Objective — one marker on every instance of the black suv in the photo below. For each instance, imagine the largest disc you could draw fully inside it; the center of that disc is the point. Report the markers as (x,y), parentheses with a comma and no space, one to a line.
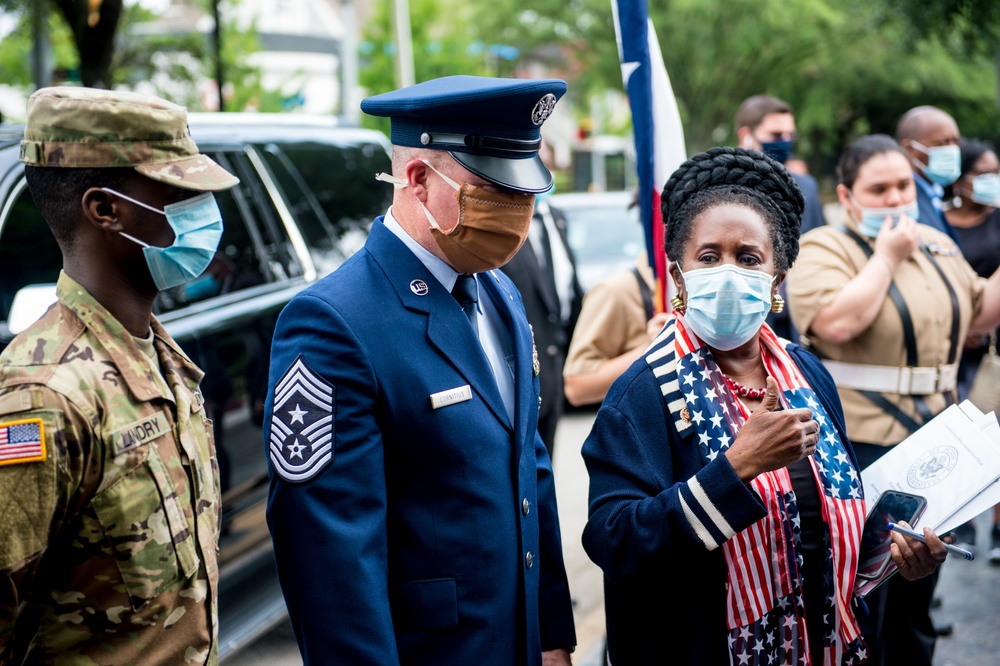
(306,198)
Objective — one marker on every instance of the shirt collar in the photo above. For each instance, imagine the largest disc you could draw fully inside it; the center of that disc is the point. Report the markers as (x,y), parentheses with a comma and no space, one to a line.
(133,365)
(933,190)
(444,273)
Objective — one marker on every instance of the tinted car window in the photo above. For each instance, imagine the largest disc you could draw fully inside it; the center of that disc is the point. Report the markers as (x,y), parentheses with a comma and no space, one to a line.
(254,249)
(335,194)
(28,251)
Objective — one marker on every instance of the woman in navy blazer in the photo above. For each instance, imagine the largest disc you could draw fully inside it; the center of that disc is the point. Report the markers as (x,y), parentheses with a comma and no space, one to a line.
(725,499)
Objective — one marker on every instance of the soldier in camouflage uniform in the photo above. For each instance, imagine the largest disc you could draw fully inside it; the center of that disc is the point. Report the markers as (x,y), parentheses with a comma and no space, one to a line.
(109,497)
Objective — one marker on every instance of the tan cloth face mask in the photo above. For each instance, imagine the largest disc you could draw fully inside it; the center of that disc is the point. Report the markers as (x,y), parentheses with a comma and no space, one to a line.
(492,226)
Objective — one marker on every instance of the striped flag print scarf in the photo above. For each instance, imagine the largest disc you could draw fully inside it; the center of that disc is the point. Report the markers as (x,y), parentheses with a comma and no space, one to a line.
(764,606)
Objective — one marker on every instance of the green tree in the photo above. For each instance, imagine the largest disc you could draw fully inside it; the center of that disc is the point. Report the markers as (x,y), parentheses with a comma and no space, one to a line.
(443,45)
(92,25)
(173,64)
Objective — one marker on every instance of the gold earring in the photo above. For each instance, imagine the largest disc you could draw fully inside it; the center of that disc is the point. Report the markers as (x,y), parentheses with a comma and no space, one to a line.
(777,303)
(677,303)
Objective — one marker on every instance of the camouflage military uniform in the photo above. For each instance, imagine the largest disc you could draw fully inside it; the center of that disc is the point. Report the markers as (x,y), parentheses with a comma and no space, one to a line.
(108,547)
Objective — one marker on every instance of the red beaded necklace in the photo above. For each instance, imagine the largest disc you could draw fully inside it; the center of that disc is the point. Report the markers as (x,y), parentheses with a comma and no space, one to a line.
(743,391)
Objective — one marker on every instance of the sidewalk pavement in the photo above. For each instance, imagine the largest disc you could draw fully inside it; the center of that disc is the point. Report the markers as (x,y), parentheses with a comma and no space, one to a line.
(969,591)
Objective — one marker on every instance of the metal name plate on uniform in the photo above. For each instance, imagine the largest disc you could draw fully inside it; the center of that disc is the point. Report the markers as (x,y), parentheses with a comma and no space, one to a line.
(451,396)
(302,423)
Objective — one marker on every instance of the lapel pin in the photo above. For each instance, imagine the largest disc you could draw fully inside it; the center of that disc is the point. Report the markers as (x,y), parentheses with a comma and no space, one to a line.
(686,415)
(419,287)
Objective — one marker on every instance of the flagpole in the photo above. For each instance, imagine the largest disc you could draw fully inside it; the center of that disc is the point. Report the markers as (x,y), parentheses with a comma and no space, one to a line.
(656,125)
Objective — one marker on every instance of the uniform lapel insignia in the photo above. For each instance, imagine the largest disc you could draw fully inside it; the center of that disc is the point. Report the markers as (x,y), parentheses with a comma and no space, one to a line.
(536,367)
(302,425)
(419,287)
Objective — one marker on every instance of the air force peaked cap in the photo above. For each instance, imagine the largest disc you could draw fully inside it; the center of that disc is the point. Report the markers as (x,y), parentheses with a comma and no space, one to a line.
(491,126)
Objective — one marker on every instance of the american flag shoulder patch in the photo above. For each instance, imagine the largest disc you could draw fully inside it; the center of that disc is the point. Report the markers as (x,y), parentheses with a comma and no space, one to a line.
(22,441)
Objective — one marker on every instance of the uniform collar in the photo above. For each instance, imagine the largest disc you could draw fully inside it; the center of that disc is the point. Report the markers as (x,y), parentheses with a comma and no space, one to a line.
(133,366)
(444,273)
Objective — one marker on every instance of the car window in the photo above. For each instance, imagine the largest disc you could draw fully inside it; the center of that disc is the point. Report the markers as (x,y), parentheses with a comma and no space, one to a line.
(603,232)
(28,250)
(332,191)
(254,249)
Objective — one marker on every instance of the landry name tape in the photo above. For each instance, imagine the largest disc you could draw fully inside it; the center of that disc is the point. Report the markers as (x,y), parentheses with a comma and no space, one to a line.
(451,396)
(22,441)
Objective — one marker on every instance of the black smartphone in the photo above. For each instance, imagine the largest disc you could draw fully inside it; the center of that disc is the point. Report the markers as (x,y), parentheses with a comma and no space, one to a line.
(892,507)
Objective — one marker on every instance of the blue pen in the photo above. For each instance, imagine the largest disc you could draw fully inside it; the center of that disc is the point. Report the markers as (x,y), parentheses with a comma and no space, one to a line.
(920,537)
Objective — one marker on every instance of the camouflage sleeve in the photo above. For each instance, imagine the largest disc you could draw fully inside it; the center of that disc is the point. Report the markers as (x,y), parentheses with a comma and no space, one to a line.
(46,459)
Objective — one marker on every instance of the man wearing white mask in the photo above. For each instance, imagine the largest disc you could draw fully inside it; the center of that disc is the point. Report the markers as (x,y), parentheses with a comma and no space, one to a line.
(930,138)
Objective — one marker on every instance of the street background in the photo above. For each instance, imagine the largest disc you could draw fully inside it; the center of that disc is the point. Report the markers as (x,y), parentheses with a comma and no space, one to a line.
(969,591)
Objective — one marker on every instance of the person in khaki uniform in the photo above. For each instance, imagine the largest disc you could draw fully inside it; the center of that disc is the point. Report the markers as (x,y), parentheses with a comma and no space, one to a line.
(616,325)
(886,302)
(109,496)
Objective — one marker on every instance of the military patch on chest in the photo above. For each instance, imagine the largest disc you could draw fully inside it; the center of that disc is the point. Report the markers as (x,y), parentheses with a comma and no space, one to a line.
(140,432)
(943,249)
(22,441)
(302,423)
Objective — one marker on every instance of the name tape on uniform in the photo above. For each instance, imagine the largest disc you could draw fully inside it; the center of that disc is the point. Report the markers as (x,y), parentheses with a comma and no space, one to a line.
(451,396)
(140,432)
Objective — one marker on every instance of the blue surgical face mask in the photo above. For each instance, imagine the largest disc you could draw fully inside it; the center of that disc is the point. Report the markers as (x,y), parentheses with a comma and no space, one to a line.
(197,225)
(873,218)
(726,305)
(944,163)
(778,151)
(986,189)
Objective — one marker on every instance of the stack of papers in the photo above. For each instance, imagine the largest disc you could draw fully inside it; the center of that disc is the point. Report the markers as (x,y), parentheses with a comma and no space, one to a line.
(953,461)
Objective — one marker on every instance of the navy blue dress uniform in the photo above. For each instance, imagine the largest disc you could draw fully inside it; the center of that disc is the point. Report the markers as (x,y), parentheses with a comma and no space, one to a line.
(412,510)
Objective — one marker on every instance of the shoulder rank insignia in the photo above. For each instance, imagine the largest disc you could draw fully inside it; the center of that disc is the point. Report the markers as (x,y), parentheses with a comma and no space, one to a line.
(22,441)
(302,424)
(536,367)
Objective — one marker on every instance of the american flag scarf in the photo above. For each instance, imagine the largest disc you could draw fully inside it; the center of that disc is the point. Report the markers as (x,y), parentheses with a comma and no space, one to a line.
(765,614)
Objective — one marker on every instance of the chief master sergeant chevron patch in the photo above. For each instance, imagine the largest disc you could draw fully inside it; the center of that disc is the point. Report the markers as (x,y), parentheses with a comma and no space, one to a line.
(301,439)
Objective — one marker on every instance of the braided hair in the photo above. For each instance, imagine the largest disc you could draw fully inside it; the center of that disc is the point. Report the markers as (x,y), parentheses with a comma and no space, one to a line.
(738,176)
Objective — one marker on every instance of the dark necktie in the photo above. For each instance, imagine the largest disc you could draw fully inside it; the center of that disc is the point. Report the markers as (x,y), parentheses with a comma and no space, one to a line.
(466,292)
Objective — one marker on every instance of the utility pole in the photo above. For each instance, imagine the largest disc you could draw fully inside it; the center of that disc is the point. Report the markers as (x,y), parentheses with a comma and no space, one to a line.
(349,109)
(404,44)
(217,45)
(41,65)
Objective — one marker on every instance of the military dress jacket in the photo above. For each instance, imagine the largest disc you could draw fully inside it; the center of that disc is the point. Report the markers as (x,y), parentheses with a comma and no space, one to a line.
(109,497)
(412,521)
